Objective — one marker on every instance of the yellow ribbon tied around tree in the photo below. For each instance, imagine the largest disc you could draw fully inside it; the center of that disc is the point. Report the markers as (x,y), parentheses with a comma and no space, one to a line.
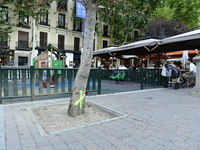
(80,101)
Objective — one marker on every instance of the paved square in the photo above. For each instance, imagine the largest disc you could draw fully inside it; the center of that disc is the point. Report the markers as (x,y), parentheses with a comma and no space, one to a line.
(157,119)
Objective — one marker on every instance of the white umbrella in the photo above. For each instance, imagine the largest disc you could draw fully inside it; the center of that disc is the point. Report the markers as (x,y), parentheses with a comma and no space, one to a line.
(184,58)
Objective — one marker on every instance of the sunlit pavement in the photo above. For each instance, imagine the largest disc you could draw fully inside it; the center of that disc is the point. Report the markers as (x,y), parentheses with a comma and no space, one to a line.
(156,119)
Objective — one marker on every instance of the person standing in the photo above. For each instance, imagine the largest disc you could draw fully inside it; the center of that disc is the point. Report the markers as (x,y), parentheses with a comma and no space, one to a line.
(102,66)
(133,66)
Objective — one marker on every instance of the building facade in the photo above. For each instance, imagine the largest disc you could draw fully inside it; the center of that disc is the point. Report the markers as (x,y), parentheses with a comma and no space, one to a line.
(30,39)
(55,27)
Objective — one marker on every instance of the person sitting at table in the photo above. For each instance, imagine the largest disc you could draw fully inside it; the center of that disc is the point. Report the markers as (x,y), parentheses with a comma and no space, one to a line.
(178,65)
(191,73)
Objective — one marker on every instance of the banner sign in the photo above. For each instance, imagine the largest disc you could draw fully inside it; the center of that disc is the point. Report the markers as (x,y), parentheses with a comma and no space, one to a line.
(80,10)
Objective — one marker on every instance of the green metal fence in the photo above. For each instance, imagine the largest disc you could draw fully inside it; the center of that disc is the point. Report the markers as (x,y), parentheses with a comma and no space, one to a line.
(30,83)
(143,76)
(18,74)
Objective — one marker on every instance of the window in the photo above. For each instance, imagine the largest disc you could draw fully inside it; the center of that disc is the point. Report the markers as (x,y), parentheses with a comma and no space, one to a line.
(44,17)
(76,44)
(62,5)
(3,39)
(61,41)
(105,30)
(22,61)
(61,21)
(77,24)
(23,20)
(105,43)
(4,14)
(43,39)
(136,33)
(3,43)
(23,39)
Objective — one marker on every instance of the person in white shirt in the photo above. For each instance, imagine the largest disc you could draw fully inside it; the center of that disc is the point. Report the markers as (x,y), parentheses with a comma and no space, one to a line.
(122,67)
(192,71)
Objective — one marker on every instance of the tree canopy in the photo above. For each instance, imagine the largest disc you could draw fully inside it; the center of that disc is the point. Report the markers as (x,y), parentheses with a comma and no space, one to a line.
(5,26)
(161,28)
(125,15)
(173,17)
(122,16)
(186,11)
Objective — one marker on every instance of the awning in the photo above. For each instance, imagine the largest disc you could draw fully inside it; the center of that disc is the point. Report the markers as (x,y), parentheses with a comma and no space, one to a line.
(136,48)
(174,59)
(185,41)
(195,52)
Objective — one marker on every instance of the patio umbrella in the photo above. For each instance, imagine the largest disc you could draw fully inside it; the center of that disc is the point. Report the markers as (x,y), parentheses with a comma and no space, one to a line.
(142,47)
(185,41)
(184,58)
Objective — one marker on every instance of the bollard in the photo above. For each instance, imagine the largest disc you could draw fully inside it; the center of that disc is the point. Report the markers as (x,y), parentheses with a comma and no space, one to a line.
(32,88)
(141,78)
(0,85)
(99,81)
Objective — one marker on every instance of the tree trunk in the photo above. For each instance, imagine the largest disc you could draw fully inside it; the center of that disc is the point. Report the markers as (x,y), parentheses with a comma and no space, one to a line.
(77,101)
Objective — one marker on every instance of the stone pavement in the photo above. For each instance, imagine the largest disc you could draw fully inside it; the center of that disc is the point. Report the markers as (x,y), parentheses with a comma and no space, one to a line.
(156,119)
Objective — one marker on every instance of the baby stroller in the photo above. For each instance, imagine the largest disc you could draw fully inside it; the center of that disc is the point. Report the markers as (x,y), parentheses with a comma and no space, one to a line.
(175,78)
(118,76)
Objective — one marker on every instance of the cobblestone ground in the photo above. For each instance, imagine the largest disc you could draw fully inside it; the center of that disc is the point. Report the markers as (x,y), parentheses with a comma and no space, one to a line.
(159,119)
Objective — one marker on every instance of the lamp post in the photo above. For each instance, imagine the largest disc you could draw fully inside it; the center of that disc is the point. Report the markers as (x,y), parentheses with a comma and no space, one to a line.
(196,90)
(10,62)
(33,41)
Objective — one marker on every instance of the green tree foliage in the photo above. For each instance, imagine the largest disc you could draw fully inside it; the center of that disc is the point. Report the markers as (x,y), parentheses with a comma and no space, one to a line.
(124,15)
(186,11)
(161,28)
(163,12)
(173,17)
(5,26)
(33,8)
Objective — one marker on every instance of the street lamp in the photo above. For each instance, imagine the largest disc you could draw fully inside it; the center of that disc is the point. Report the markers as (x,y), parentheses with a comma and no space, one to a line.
(10,58)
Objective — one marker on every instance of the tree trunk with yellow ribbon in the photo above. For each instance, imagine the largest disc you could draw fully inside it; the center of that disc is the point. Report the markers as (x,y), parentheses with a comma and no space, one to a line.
(77,101)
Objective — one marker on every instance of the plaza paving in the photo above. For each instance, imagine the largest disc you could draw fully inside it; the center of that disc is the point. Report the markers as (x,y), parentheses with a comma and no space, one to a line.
(154,119)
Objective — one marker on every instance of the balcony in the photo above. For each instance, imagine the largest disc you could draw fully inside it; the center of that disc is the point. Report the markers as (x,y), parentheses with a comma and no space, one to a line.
(78,29)
(23,45)
(63,48)
(44,23)
(63,26)
(4,44)
(106,34)
(24,25)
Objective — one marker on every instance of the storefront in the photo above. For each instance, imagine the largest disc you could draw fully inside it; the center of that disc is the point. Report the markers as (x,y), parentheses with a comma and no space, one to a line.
(6,57)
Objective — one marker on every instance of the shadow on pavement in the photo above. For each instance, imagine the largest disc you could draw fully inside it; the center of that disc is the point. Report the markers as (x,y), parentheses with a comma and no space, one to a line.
(107,87)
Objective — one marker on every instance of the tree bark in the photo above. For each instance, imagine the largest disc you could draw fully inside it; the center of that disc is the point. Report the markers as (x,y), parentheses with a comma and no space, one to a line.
(85,65)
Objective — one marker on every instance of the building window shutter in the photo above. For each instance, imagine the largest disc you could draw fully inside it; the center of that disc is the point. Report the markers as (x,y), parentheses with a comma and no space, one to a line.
(76,44)
(43,39)
(23,39)
(61,39)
